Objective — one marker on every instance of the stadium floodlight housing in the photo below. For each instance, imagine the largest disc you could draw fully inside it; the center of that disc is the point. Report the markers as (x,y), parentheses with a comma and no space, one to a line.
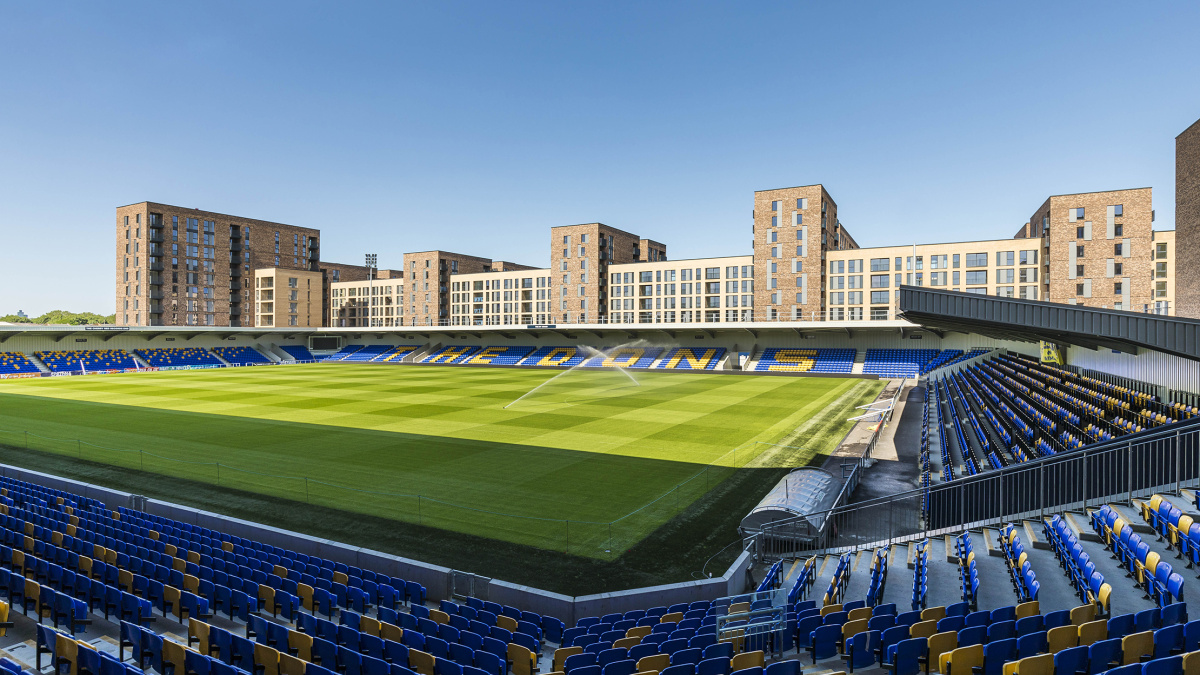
(371,260)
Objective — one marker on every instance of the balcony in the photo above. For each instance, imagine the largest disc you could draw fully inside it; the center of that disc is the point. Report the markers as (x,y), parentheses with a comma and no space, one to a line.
(235,247)
(235,310)
(155,236)
(156,295)
(235,269)
(156,309)
(155,266)
(235,285)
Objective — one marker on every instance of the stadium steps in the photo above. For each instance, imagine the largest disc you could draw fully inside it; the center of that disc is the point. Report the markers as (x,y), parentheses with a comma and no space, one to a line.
(1035,535)
(220,358)
(860,356)
(33,358)
(269,353)
(137,358)
(1132,514)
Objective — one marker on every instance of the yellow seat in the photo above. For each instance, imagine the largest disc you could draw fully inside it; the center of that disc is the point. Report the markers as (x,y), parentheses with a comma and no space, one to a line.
(505,622)
(66,651)
(290,665)
(191,584)
(341,578)
(194,557)
(961,660)
(1093,632)
(370,626)
(1135,646)
(626,642)
(850,629)
(267,658)
(4,611)
(1062,637)
(390,631)
(561,654)
(933,613)
(171,596)
(754,659)
(674,617)
(739,608)
(941,643)
(655,662)
(830,609)
(639,631)
(859,613)
(524,661)
(923,629)
(1083,614)
(198,633)
(300,644)
(422,662)
(173,654)
(1042,664)
(1151,506)
(1028,609)
(1191,663)
(305,592)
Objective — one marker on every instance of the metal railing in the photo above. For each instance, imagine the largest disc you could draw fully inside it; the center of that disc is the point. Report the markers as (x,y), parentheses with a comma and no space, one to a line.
(1161,460)
(790,535)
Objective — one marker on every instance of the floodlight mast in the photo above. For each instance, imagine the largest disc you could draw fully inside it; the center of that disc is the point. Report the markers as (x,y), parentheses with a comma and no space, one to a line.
(371,260)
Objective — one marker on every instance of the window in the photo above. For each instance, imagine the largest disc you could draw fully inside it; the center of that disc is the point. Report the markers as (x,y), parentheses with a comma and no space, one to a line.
(837,266)
(955,258)
(1005,258)
(937,278)
(1078,212)
(854,297)
(938,262)
(802,203)
(1160,250)
(977,291)
(712,273)
(1117,288)
(1079,233)
(977,260)
(1004,291)
(1118,268)
(854,281)
(1118,230)
(879,297)
(1079,250)
(1160,270)
(774,222)
(1029,257)
(1118,210)
(1028,275)
(879,265)
(775,205)
(798,220)
(1078,289)
(836,298)
(1079,270)
(879,281)
(1029,292)
(955,274)
(837,282)
(977,277)
(1118,249)
(1160,289)
(879,313)
(1004,276)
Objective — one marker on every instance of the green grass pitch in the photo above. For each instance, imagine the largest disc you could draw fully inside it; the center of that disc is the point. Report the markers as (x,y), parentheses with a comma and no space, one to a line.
(590,463)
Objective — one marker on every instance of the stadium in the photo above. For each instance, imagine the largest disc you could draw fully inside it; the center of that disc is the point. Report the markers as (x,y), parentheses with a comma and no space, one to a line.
(607,500)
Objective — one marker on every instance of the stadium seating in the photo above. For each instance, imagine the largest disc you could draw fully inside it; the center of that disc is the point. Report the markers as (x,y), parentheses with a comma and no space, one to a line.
(240,355)
(368,353)
(298,352)
(16,362)
(692,358)
(450,354)
(342,353)
(395,354)
(776,359)
(625,357)
(563,357)
(175,356)
(87,360)
(498,356)
(897,362)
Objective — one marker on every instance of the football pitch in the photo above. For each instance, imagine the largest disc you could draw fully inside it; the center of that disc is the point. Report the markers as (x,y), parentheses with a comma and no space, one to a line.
(587,462)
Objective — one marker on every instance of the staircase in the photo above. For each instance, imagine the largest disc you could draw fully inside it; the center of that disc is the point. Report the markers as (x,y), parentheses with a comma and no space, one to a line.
(220,358)
(860,356)
(37,362)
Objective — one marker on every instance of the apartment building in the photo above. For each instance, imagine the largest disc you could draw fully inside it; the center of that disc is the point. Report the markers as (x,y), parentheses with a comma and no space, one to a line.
(428,280)
(709,290)
(579,260)
(861,284)
(503,297)
(1187,219)
(177,266)
(1099,248)
(793,229)
(1166,278)
(377,300)
(287,297)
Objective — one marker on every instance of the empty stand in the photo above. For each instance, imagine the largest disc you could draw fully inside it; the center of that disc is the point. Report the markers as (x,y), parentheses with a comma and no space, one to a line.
(563,357)
(776,359)
(175,356)
(368,353)
(341,354)
(298,352)
(241,355)
(87,360)
(451,354)
(498,356)
(16,362)
(692,358)
(898,362)
(625,357)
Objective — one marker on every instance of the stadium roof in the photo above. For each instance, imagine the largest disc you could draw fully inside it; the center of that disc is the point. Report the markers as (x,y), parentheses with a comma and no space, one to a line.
(1032,320)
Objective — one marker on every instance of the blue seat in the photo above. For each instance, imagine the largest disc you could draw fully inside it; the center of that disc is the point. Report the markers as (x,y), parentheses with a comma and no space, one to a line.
(1071,661)
(1168,641)
(715,666)
(1032,644)
(680,669)
(1103,655)
(825,642)
(626,667)
(997,653)
(904,657)
(691,656)
(860,649)
(1171,665)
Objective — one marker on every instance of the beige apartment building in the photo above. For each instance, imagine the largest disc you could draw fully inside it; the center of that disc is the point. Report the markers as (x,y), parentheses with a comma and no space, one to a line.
(793,229)
(501,298)
(363,303)
(709,290)
(287,297)
(861,284)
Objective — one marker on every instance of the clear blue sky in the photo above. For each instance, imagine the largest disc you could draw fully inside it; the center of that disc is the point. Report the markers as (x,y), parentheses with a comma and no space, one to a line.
(474,127)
